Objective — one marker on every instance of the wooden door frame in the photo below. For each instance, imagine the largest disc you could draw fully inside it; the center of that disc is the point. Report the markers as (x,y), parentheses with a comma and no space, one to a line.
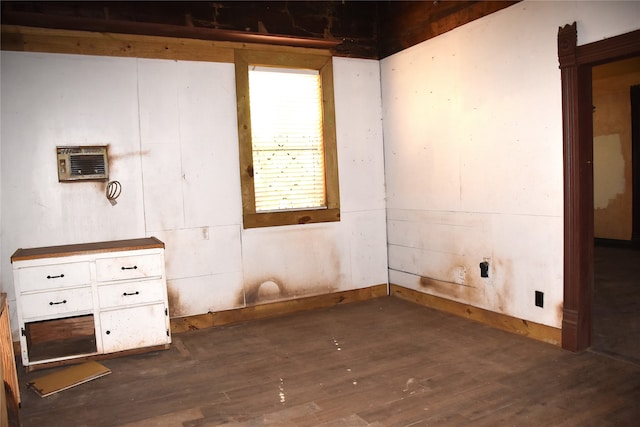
(576,63)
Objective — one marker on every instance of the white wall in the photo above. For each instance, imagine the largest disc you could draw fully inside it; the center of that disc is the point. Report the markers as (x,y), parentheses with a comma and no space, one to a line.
(172,135)
(473,156)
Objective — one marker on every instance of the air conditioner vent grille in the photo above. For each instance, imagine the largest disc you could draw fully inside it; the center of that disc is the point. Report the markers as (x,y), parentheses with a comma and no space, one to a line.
(88,164)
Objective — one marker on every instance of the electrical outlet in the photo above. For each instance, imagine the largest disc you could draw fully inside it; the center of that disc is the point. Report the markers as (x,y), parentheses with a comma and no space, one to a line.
(539,299)
(484,269)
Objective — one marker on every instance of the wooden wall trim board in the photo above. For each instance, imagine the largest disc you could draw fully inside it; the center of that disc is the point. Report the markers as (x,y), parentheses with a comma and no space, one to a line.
(578,205)
(507,323)
(219,318)
(45,40)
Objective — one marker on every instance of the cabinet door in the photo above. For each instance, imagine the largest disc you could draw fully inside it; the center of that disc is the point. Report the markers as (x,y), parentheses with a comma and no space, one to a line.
(134,327)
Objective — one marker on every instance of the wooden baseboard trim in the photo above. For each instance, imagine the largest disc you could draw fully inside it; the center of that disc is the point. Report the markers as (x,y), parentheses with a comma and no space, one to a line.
(507,323)
(219,318)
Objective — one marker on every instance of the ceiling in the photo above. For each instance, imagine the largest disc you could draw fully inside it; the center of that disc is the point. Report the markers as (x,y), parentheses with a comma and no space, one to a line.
(365,29)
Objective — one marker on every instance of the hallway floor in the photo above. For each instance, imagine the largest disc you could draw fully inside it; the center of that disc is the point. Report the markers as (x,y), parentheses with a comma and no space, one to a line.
(616,303)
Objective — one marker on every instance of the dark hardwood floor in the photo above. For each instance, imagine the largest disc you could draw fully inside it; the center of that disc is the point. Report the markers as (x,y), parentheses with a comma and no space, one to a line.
(616,303)
(383,362)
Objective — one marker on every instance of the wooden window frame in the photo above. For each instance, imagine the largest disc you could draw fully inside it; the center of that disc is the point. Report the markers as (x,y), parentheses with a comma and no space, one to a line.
(324,65)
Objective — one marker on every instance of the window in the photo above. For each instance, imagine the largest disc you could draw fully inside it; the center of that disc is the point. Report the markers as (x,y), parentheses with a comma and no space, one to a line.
(286,134)
(286,129)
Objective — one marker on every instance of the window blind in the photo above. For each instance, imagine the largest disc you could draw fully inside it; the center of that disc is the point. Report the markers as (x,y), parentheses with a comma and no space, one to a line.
(287,139)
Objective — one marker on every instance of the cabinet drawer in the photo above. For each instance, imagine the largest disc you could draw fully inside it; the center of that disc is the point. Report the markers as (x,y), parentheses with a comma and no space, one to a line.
(129,267)
(64,301)
(54,276)
(130,293)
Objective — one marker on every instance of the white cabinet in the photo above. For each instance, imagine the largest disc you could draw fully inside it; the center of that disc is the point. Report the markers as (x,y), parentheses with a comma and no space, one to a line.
(80,301)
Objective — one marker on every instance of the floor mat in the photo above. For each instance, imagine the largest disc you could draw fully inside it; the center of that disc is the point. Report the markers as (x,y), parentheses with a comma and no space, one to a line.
(67,378)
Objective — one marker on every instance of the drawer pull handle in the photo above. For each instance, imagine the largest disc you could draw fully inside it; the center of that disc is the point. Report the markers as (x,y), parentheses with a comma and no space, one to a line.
(131,293)
(59,302)
(107,332)
(135,267)
(55,277)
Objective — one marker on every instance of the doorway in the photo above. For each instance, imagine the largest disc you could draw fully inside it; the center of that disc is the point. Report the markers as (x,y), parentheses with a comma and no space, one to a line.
(616,291)
(576,64)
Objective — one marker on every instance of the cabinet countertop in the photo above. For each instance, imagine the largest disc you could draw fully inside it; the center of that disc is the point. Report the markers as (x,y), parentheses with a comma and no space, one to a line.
(86,248)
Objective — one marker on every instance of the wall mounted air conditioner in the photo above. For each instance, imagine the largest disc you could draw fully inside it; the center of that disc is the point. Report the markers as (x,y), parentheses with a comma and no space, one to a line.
(82,163)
